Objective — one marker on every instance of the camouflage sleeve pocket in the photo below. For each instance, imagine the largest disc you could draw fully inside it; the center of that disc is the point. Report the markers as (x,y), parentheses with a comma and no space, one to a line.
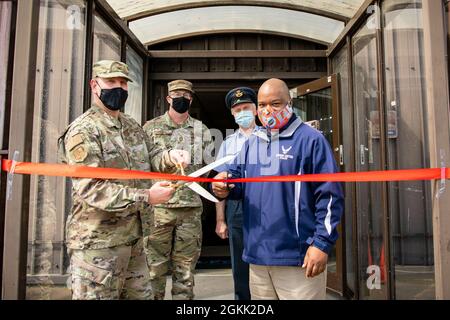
(90,272)
(147,219)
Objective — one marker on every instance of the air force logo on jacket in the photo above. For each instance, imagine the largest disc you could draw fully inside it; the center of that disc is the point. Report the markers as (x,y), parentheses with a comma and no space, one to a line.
(285,155)
(282,219)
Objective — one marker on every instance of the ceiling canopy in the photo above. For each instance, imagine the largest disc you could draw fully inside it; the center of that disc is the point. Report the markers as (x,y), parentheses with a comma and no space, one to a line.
(136,9)
(155,21)
(190,22)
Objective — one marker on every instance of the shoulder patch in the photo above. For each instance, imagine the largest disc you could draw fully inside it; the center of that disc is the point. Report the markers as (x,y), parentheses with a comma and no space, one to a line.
(74,141)
(79,153)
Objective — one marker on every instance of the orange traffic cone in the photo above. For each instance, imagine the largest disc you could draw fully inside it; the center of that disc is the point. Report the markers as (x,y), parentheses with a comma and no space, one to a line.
(369,253)
(382,265)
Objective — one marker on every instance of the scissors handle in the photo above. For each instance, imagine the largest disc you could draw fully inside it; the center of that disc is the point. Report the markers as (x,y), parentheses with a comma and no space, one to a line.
(180,166)
(226,183)
(176,185)
(179,184)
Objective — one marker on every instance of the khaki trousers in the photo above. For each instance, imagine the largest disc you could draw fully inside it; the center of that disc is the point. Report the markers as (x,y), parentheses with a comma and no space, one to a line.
(285,283)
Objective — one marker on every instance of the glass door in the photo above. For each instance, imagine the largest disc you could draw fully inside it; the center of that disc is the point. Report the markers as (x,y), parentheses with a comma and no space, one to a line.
(316,103)
(370,198)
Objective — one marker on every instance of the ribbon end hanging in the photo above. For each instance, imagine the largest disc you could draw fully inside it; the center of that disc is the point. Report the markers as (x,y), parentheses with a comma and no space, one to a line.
(10,177)
(442,182)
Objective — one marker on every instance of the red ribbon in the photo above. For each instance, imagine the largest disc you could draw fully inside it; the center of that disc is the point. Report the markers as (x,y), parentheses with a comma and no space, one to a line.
(73,171)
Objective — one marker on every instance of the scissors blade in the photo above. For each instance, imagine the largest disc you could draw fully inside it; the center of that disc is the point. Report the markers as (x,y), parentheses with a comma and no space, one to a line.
(212,165)
(202,191)
(195,186)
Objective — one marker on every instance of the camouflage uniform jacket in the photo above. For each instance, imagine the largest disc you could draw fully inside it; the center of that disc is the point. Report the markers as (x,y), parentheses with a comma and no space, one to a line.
(192,136)
(107,213)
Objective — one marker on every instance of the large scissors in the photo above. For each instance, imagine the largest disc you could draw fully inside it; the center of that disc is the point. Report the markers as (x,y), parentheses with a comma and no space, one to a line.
(194,185)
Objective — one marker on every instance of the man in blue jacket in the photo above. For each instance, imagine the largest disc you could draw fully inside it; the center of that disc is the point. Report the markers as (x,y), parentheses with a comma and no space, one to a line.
(289,228)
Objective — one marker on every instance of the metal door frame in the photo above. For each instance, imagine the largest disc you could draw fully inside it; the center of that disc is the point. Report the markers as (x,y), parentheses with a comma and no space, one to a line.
(20,109)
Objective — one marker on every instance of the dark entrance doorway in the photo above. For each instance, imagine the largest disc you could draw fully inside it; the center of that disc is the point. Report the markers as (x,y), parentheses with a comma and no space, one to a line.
(203,60)
(209,107)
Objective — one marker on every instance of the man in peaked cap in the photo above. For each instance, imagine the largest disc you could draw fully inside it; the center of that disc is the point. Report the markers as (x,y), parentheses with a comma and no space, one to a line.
(229,215)
(240,95)
(174,243)
(108,219)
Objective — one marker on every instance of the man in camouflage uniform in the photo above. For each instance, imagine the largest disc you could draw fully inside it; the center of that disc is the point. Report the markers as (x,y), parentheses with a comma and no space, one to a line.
(105,227)
(175,239)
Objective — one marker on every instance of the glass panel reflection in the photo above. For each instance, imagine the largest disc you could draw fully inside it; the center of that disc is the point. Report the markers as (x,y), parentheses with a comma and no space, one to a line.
(5,33)
(58,101)
(316,110)
(340,67)
(133,106)
(409,201)
(106,41)
(371,237)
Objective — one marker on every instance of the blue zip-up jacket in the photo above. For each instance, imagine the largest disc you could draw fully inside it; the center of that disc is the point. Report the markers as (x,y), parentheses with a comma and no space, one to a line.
(282,219)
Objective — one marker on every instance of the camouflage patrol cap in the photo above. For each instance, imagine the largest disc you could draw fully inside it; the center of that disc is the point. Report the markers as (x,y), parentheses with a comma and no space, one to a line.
(110,69)
(180,85)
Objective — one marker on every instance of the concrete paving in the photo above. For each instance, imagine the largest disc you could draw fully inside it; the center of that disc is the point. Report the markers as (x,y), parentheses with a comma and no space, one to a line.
(210,284)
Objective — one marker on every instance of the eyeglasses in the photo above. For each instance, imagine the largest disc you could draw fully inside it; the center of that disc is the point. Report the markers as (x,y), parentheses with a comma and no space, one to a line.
(187,95)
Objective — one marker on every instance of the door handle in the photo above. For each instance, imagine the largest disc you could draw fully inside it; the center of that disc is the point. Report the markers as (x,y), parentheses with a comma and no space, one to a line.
(362,156)
(340,149)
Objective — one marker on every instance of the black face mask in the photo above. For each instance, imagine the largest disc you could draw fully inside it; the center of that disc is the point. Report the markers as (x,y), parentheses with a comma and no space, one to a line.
(114,99)
(181,104)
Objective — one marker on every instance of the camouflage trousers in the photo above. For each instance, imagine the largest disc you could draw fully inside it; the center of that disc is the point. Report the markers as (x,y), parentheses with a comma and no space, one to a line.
(174,244)
(109,274)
